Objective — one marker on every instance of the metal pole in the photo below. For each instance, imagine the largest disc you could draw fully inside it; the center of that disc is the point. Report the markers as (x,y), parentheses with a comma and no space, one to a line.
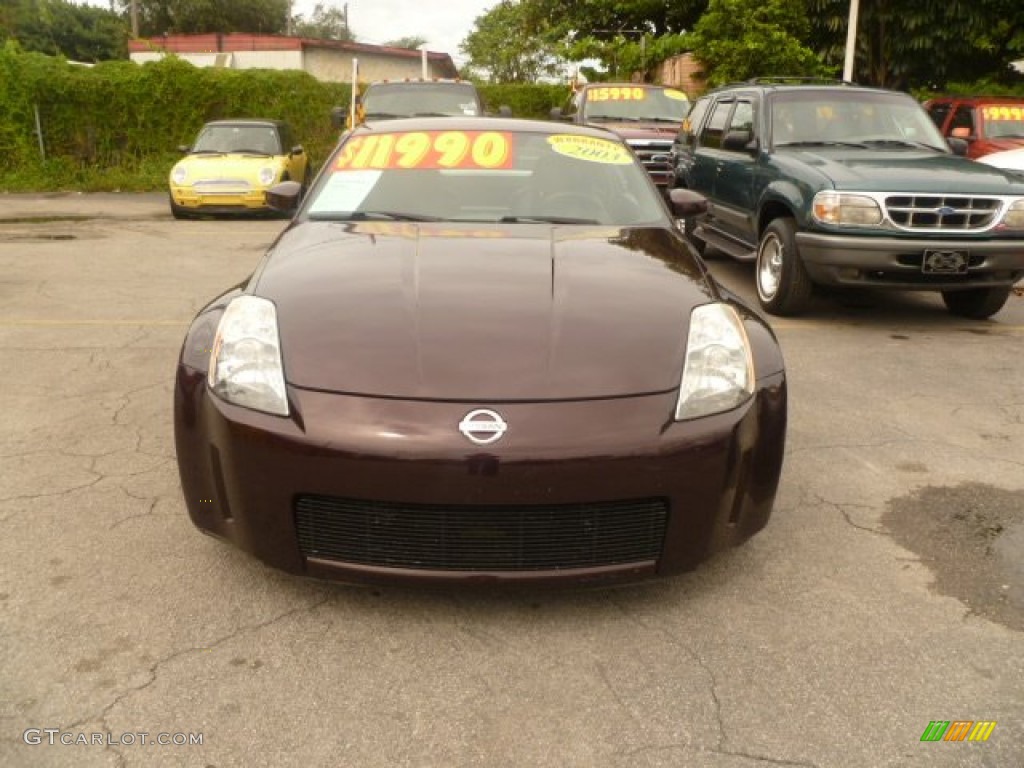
(39,133)
(355,90)
(851,40)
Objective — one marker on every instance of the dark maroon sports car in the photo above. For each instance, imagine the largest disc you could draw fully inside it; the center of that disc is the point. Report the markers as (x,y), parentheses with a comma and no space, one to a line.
(482,351)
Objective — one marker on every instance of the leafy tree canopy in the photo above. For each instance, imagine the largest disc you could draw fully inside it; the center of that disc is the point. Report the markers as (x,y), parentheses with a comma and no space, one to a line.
(511,43)
(61,28)
(325,23)
(193,17)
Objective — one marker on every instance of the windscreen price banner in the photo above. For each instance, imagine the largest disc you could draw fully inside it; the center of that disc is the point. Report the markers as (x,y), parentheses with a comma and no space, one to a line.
(427,150)
(1004,112)
(617,93)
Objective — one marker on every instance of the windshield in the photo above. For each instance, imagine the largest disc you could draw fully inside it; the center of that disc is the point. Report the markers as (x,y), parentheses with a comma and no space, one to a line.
(815,116)
(484,176)
(258,139)
(1004,121)
(411,99)
(635,103)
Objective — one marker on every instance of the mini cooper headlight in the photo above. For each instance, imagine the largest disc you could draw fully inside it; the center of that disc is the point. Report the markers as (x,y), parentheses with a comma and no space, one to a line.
(268,175)
(1014,218)
(846,210)
(245,362)
(719,371)
(179,174)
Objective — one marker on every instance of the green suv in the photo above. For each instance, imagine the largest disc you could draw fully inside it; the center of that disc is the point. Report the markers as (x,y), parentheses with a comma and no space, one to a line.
(834,184)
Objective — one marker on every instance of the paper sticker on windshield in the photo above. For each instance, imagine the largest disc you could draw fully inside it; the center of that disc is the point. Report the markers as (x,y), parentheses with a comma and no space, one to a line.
(590,149)
(1004,112)
(617,93)
(345,192)
(675,95)
(427,150)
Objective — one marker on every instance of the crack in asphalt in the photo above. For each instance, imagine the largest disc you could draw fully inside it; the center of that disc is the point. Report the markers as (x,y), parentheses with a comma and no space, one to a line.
(154,668)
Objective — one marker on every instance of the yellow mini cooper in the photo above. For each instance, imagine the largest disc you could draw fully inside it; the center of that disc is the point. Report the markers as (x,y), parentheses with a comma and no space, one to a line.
(232,164)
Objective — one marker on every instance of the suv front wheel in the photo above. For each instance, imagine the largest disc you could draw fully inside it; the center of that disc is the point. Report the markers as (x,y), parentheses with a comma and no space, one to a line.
(976,303)
(783,285)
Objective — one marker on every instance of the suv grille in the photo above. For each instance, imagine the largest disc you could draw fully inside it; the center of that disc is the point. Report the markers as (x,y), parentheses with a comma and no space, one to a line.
(480,537)
(931,212)
(646,150)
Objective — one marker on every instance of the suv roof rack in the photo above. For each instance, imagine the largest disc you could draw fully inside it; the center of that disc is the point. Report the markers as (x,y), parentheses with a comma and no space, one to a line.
(793,79)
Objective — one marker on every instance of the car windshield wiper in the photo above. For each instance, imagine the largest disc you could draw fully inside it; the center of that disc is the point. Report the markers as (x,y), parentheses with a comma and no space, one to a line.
(544,220)
(259,152)
(385,115)
(371,216)
(432,114)
(207,152)
(901,143)
(821,143)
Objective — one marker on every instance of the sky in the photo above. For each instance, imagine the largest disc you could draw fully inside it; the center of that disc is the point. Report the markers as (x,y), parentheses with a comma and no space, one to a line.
(444,23)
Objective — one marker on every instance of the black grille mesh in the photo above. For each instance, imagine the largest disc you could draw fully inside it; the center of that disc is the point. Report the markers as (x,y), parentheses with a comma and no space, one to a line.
(480,538)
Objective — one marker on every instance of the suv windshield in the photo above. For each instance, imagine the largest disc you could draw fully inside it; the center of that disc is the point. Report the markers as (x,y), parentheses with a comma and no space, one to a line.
(856,117)
(428,98)
(637,103)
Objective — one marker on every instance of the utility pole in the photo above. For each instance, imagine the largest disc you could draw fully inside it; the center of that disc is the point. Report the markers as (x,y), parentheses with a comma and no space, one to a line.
(851,41)
(135,18)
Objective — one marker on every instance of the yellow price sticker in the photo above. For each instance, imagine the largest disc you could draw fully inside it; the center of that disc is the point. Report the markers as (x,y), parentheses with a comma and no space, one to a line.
(591,149)
(618,93)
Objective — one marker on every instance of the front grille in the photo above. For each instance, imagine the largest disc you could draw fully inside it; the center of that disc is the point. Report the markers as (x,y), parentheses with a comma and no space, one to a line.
(480,537)
(646,153)
(942,212)
(222,186)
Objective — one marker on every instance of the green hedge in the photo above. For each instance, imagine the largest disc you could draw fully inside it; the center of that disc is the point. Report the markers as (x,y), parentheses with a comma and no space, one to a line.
(117,125)
(524,100)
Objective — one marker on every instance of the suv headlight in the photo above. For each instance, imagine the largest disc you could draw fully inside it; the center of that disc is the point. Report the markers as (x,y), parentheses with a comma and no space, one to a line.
(245,362)
(846,210)
(268,175)
(178,174)
(718,374)
(1014,218)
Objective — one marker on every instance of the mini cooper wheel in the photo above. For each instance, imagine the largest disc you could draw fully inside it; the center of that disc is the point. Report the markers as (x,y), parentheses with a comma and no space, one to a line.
(783,286)
(976,303)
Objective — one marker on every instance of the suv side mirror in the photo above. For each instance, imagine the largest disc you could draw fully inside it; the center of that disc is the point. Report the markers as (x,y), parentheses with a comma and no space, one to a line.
(963,132)
(556,113)
(505,111)
(959,146)
(739,141)
(338,117)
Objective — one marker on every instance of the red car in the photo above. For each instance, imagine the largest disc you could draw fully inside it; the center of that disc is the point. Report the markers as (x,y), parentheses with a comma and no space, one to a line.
(987,123)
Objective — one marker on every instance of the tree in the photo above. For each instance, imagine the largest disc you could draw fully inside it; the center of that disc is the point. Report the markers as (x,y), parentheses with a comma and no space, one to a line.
(741,39)
(919,43)
(61,28)
(323,24)
(509,43)
(191,17)
(407,42)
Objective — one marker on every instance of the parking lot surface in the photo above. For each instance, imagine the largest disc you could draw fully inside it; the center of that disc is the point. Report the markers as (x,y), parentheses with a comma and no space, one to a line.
(886,592)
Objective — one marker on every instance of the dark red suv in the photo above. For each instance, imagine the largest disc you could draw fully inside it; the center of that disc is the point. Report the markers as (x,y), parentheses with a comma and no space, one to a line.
(988,123)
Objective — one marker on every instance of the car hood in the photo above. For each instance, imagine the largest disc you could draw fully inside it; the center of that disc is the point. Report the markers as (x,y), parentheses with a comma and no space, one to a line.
(909,171)
(227,166)
(517,313)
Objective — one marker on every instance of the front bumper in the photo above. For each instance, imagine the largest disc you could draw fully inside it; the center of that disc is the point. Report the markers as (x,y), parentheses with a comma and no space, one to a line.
(245,474)
(890,262)
(219,202)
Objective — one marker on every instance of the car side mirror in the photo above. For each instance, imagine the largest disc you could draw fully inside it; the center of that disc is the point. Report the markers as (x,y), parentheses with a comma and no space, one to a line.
(959,146)
(505,111)
(686,203)
(739,141)
(963,132)
(338,117)
(284,196)
(298,149)
(184,149)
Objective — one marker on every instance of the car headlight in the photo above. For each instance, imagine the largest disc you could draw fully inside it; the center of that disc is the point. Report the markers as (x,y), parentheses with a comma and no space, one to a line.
(719,371)
(268,175)
(846,210)
(1014,218)
(179,174)
(245,361)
